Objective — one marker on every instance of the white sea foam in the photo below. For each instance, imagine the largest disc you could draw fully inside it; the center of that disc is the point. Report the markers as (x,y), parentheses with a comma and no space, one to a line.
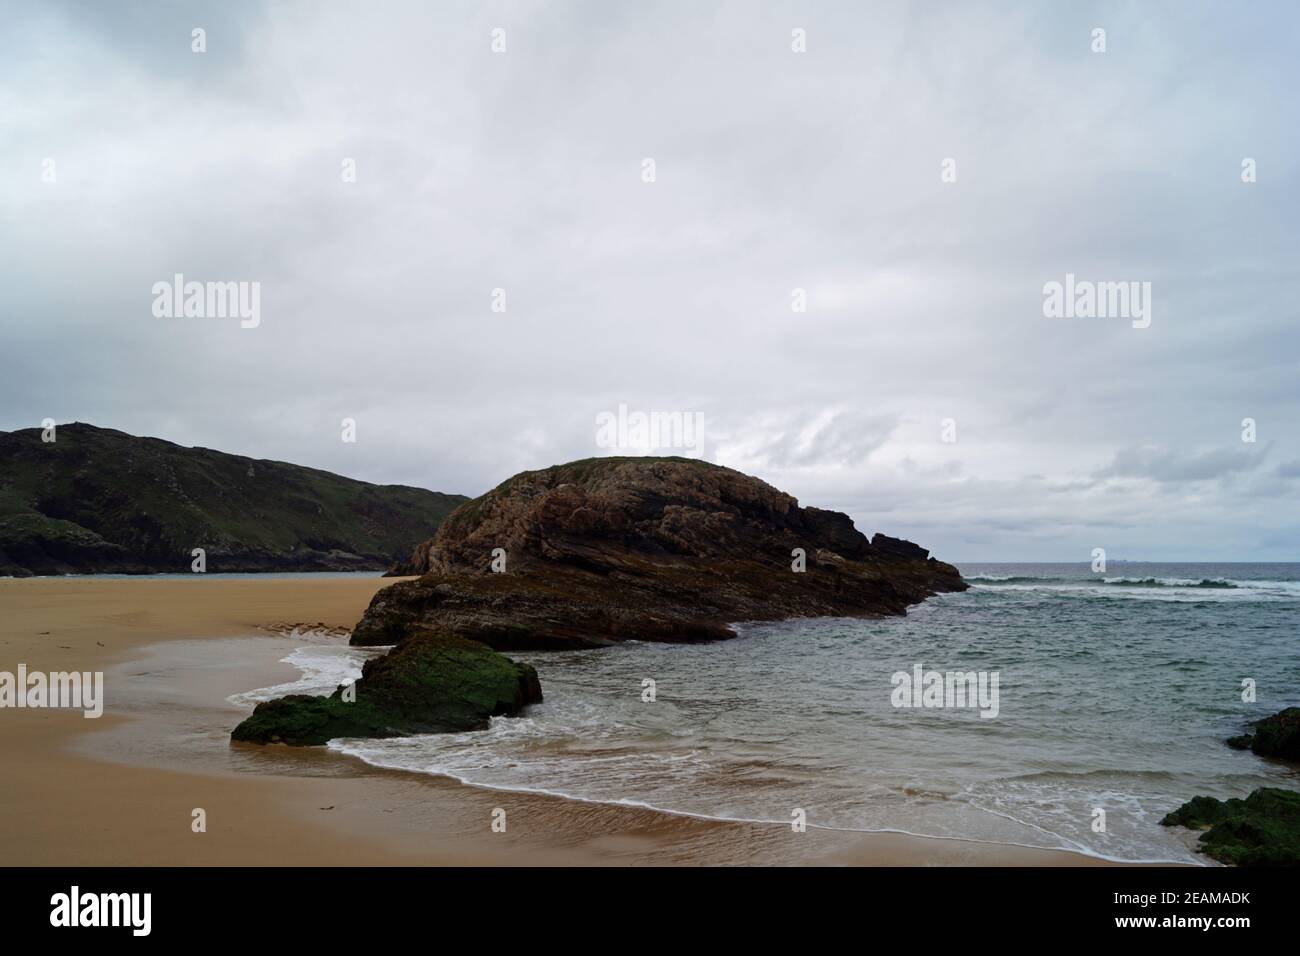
(1046,817)
(1147,589)
(1124,702)
(323,667)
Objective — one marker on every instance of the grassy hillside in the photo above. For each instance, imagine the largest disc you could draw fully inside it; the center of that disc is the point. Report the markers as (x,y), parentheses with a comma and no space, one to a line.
(101,500)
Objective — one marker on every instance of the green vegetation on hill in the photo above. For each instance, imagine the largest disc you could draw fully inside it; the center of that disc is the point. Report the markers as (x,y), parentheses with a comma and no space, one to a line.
(99,500)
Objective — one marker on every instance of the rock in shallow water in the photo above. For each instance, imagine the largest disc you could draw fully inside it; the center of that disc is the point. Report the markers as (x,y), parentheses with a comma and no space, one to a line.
(1276,736)
(660,549)
(595,552)
(433,683)
(1261,830)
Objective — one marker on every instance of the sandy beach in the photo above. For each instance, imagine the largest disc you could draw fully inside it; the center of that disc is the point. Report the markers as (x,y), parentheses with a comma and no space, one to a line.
(121,789)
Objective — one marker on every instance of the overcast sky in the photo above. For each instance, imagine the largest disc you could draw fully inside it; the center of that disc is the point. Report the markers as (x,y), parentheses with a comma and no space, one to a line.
(775,170)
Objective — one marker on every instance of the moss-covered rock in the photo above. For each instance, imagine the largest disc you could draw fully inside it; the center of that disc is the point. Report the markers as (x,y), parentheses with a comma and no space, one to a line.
(1261,830)
(1276,736)
(432,683)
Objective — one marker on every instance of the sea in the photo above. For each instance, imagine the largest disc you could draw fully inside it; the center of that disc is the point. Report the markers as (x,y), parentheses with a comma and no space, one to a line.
(1115,693)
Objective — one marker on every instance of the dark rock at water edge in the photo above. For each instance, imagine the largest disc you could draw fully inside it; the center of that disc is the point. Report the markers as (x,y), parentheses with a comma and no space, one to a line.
(433,683)
(1275,736)
(1261,830)
(662,549)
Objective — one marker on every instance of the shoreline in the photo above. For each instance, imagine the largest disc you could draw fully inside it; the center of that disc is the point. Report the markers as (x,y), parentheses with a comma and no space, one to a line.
(120,790)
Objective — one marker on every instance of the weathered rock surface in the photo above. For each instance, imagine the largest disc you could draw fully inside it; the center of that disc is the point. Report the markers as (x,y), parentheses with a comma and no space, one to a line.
(433,683)
(1261,830)
(660,549)
(1276,736)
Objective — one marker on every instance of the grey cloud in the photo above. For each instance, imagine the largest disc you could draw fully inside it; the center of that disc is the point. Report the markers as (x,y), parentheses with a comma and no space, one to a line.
(825,438)
(1179,465)
(776,171)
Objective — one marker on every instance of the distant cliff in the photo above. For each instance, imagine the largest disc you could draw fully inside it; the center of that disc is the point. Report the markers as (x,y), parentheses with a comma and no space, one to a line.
(659,549)
(98,500)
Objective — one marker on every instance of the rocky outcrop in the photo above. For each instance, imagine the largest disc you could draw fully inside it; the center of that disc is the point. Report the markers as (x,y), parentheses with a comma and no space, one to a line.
(95,500)
(433,683)
(660,549)
(1276,736)
(1261,830)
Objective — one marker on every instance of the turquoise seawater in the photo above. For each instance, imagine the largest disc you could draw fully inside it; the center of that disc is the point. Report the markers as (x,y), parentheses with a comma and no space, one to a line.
(1116,692)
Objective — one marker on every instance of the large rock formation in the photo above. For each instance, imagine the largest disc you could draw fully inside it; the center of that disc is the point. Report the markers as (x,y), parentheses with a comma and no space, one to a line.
(433,683)
(98,500)
(661,549)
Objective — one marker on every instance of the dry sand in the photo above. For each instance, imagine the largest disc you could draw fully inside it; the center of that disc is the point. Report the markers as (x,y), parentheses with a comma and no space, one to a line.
(120,790)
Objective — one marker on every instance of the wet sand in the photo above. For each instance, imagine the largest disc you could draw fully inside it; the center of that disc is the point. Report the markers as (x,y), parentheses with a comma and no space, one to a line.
(121,789)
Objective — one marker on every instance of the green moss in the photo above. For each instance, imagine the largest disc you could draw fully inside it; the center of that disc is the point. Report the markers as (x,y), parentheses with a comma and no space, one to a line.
(1261,830)
(311,721)
(431,683)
